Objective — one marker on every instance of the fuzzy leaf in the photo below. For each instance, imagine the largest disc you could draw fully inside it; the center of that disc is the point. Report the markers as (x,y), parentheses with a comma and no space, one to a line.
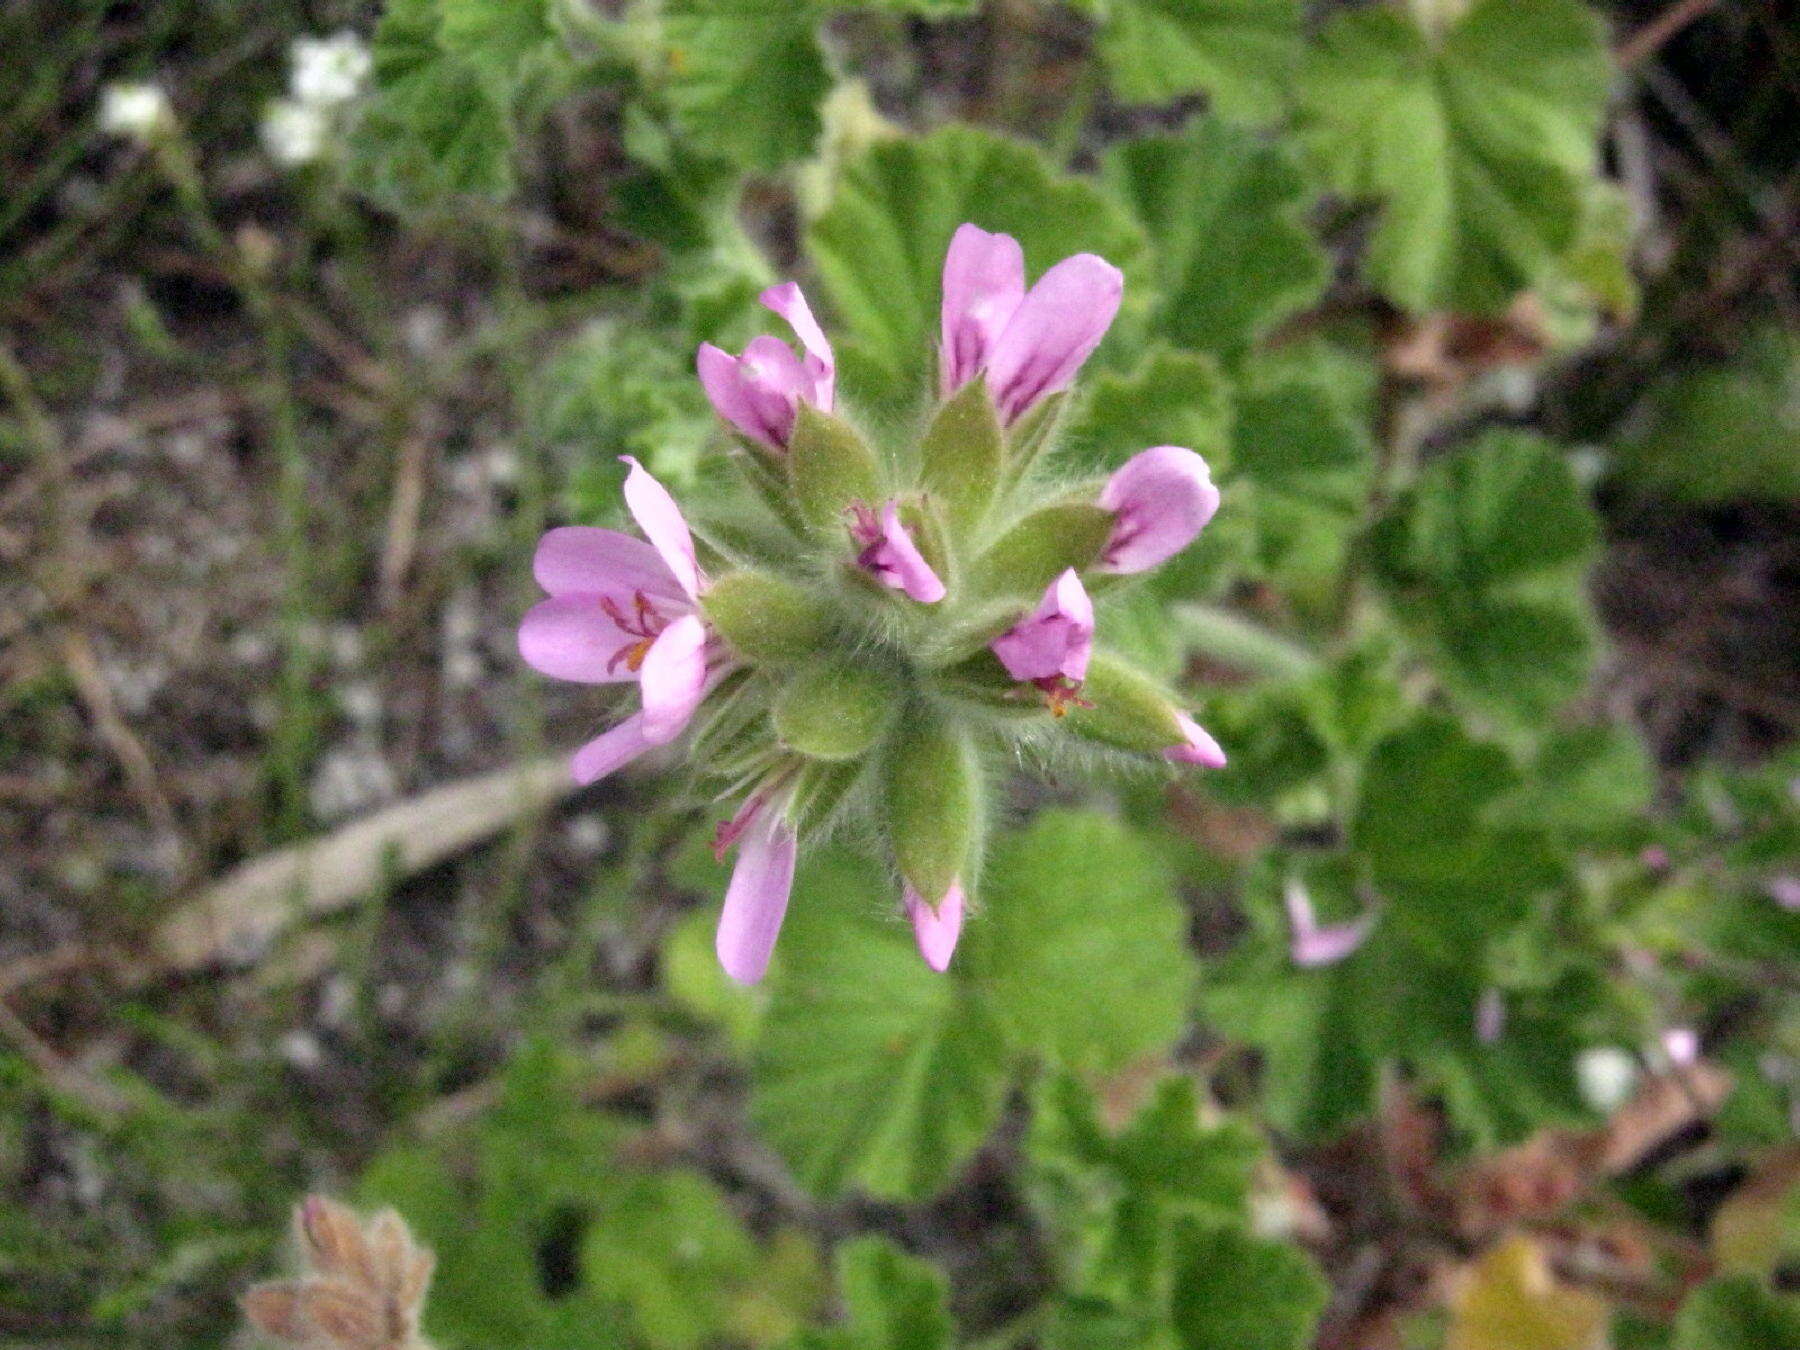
(745,78)
(872,1071)
(1080,941)
(1238,52)
(1231,254)
(1479,146)
(1235,1292)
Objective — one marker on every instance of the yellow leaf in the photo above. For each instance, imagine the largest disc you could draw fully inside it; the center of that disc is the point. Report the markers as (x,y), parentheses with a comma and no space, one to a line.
(1511,1300)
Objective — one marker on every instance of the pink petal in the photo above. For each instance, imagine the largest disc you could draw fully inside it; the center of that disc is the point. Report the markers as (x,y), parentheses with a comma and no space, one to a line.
(1055,328)
(1490,1016)
(1784,890)
(897,562)
(673,678)
(1198,747)
(583,560)
(984,281)
(757,898)
(610,750)
(727,387)
(1162,498)
(661,521)
(1311,943)
(820,365)
(936,926)
(1057,638)
(1681,1045)
(570,637)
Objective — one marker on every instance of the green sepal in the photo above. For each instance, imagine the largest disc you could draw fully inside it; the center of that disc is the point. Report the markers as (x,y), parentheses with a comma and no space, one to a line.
(831,467)
(818,792)
(1032,432)
(766,474)
(1037,550)
(1131,711)
(731,735)
(962,454)
(766,619)
(833,710)
(934,802)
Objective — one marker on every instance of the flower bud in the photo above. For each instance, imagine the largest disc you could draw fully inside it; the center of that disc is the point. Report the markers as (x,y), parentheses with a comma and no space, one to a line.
(934,803)
(832,709)
(831,467)
(1041,547)
(961,456)
(1130,710)
(766,618)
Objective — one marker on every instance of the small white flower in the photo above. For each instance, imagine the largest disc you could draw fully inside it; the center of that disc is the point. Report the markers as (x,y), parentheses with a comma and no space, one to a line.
(330,70)
(293,133)
(1606,1075)
(138,112)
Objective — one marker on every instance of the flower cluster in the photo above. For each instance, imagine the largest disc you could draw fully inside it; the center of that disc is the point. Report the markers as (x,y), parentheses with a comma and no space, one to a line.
(870,626)
(324,75)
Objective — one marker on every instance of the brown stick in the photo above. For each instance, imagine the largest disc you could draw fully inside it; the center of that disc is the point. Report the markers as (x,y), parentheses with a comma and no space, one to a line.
(1649,39)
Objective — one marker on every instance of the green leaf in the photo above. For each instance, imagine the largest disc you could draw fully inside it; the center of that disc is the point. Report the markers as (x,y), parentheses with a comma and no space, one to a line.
(744,78)
(880,246)
(1504,509)
(1241,53)
(1723,434)
(961,455)
(435,126)
(1168,398)
(1223,210)
(1482,560)
(1040,548)
(1111,1197)
(669,1248)
(1081,942)
(1236,1292)
(1738,1313)
(895,1301)
(831,467)
(1423,793)
(1480,147)
(833,709)
(496,37)
(1292,435)
(873,1071)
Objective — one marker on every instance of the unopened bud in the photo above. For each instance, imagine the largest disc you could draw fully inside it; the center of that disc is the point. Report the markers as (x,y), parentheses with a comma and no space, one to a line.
(831,466)
(766,618)
(1041,547)
(831,709)
(934,803)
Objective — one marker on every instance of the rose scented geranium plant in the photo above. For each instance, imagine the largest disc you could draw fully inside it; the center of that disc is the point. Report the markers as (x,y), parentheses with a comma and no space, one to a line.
(892,619)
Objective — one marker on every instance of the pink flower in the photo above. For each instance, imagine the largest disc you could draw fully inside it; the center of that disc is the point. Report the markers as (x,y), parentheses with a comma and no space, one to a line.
(936,926)
(1031,343)
(756,901)
(1197,747)
(760,392)
(1051,646)
(889,554)
(1161,498)
(622,609)
(1311,943)
(1784,890)
(1490,1016)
